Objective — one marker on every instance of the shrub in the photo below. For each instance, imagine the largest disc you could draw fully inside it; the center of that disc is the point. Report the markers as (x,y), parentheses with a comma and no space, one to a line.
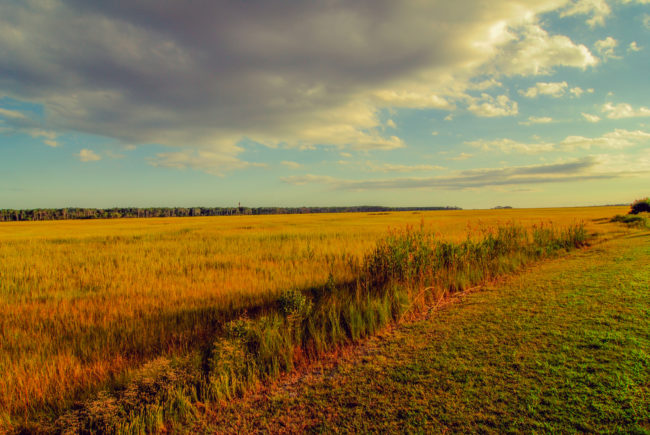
(640,206)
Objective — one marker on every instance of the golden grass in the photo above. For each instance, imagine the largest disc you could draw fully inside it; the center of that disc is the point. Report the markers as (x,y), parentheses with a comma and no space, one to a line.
(82,301)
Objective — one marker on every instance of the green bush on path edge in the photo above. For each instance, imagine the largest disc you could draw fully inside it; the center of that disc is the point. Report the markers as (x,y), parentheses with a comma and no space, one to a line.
(407,271)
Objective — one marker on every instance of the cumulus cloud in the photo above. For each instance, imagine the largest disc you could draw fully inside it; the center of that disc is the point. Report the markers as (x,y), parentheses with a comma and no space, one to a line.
(591,118)
(489,106)
(617,139)
(596,9)
(571,171)
(204,75)
(624,110)
(553,89)
(605,47)
(634,47)
(86,155)
(530,50)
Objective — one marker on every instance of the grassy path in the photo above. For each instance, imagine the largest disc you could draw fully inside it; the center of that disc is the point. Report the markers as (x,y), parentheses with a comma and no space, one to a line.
(562,347)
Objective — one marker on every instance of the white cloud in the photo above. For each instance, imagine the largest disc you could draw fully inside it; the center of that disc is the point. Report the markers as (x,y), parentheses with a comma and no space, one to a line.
(553,89)
(646,21)
(206,161)
(390,123)
(597,9)
(290,164)
(624,110)
(511,146)
(435,133)
(461,156)
(390,167)
(532,51)
(537,120)
(591,118)
(606,48)
(489,106)
(86,155)
(616,139)
(577,91)
(634,47)
(412,100)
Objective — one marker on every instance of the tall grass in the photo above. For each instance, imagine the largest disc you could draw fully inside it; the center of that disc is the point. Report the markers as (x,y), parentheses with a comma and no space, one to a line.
(405,271)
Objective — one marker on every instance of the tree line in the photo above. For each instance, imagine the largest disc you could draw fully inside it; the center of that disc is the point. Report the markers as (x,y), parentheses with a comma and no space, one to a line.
(44,214)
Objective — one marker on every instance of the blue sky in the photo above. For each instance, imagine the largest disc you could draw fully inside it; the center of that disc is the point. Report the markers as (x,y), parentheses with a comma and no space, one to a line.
(269,103)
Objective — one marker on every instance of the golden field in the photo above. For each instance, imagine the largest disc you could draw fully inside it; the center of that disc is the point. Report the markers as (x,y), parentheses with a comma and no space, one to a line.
(82,302)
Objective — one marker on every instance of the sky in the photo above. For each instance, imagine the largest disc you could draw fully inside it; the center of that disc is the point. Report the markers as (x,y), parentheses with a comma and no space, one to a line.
(469,103)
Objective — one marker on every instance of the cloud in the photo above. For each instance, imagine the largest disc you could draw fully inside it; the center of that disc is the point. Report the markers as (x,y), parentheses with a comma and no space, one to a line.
(537,120)
(390,123)
(624,110)
(605,47)
(412,100)
(590,117)
(634,47)
(511,146)
(488,106)
(563,172)
(204,75)
(13,114)
(18,123)
(461,156)
(86,155)
(205,161)
(530,50)
(390,167)
(292,165)
(578,91)
(597,9)
(617,139)
(553,89)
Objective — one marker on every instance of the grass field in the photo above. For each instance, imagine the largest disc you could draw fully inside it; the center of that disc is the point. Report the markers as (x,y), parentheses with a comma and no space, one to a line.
(562,348)
(82,303)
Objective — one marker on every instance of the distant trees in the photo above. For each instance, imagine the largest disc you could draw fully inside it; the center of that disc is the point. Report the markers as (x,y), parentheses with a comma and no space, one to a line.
(640,206)
(41,214)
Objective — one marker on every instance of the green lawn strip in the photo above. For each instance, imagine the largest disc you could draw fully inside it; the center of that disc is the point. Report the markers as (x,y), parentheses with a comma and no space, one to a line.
(562,347)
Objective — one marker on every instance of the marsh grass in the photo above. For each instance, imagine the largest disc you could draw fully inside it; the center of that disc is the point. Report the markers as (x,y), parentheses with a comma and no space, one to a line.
(406,270)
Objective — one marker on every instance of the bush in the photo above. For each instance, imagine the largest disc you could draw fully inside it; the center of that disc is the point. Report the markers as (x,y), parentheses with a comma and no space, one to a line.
(640,206)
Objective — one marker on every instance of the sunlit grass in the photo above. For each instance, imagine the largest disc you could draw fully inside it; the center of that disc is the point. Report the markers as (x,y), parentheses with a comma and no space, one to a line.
(83,301)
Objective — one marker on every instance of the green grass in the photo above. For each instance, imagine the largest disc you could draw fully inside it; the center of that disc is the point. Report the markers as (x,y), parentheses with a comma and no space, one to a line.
(563,347)
(303,325)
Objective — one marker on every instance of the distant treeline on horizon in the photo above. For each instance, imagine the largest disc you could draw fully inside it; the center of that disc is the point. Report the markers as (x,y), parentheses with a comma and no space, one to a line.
(44,214)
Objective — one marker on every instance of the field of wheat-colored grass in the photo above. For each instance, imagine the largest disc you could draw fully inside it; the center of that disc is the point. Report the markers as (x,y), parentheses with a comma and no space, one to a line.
(83,301)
